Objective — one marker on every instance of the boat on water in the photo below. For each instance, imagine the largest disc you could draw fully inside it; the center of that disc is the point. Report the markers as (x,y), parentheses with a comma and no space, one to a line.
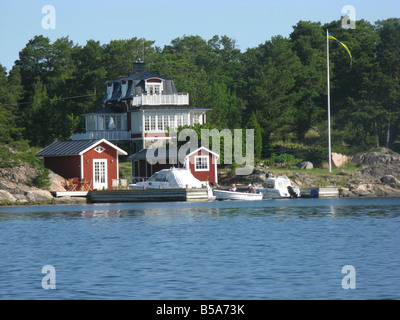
(278,187)
(235,195)
(174,178)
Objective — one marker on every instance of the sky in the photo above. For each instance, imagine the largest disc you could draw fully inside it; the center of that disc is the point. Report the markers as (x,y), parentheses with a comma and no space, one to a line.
(249,22)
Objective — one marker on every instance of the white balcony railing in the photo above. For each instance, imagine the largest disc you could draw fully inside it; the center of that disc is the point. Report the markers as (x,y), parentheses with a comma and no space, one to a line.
(112,135)
(160,99)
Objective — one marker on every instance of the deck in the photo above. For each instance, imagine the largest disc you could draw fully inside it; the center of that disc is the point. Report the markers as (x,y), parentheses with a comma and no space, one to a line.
(319,192)
(147,195)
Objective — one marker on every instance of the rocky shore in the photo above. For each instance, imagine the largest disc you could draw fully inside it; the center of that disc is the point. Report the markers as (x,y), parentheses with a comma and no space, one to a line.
(16,188)
(376,175)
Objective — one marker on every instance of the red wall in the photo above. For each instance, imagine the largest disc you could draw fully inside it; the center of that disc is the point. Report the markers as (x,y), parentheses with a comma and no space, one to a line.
(209,175)
(67,167)
(109,154)
(70,166)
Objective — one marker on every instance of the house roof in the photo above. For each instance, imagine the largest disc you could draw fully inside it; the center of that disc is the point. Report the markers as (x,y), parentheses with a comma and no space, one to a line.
(167,153)
(136,84)
(74,147)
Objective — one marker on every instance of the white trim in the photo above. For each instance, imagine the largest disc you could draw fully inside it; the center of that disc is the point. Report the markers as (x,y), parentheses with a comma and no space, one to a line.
(116,156)
(208,163)
(205,149)
(100,185)
(120,151)
(155,138)
(215,172)
(82,166)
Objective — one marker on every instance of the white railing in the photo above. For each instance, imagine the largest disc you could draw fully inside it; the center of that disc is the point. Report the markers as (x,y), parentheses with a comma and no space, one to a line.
(108,135)
(160,99)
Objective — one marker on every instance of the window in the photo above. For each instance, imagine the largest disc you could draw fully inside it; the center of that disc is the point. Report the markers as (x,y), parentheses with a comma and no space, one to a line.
(182,119)
(160,122)
(154,86)
(201,163)
(99,149)
(90,123)
(146,123)
(172,123)
(152,123)
(196,118)
(153,89)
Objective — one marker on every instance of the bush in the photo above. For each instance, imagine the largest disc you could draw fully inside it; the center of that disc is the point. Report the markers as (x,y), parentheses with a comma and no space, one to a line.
(42,180)
(284,157)
(317,155)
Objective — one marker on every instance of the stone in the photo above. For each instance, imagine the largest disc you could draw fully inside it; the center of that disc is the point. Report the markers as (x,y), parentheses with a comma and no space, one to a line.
(6,196)
(39,196)
(57,183)
(385,156)
(390,181)
(339,160)
(305,165)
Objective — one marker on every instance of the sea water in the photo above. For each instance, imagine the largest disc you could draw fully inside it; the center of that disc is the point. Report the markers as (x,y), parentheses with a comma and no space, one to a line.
(269,249)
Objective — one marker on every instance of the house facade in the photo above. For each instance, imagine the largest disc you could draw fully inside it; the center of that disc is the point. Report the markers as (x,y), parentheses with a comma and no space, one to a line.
(95,161)
(140,108)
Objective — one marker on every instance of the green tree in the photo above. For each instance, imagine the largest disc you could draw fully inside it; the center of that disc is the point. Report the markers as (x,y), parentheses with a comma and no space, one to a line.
(258,145)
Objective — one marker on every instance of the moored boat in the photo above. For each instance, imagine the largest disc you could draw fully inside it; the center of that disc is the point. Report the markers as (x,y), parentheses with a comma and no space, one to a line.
(234,195)
(278,187)
(174,178)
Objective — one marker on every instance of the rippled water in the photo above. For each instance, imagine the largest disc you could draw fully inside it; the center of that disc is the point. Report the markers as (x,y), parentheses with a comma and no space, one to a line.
(272,249)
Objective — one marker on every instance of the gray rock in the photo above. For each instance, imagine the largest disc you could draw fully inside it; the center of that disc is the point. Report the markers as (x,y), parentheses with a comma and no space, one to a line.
(6,196)
(390,181)
(305,165)
(39,196)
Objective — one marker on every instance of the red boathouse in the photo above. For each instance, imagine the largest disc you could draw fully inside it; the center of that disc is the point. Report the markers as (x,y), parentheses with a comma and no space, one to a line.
(93,161)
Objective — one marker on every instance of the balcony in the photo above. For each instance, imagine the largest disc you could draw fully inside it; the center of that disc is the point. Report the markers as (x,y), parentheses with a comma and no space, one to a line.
(160,99)
(112,135)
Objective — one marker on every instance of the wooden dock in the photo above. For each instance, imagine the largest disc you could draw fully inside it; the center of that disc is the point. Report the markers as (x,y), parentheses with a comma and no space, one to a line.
(147,195)
(319,192)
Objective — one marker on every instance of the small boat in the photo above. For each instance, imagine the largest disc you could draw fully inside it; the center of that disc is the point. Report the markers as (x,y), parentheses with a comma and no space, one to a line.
(278,187)
(174,178)
(234,195)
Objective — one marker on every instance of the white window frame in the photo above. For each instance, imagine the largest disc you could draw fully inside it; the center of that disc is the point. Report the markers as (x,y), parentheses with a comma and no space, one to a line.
(203,167)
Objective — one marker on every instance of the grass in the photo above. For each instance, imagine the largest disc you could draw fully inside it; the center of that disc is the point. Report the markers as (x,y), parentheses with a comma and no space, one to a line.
(125,170)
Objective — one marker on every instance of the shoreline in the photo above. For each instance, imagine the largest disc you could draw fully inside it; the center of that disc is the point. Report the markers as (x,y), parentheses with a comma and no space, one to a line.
(367,175)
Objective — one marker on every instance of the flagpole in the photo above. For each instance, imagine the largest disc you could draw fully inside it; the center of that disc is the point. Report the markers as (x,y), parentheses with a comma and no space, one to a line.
(329,102)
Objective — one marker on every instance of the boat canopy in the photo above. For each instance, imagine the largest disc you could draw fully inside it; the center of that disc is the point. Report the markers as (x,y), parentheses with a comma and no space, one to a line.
(176,178)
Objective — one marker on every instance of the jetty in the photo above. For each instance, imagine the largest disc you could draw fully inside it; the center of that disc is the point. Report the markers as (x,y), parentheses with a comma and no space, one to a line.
(319,192)
(147,195)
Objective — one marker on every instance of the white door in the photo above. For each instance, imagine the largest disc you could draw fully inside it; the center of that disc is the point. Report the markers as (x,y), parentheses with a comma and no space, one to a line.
(99,174)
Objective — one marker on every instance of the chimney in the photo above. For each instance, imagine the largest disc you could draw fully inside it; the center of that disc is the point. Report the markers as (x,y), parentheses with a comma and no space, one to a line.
(138,66)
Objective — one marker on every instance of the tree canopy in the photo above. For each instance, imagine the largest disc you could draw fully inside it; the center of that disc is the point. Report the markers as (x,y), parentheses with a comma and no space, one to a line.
(278,88)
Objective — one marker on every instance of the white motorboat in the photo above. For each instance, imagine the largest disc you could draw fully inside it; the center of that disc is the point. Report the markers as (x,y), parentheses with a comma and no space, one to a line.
(234,195)
(174,178)
(278,187)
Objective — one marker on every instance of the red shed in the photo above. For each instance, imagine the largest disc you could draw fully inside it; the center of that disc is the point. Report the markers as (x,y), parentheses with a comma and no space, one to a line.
(202,163)
(96,161)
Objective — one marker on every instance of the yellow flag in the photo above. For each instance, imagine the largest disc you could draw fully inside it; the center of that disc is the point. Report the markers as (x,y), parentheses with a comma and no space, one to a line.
(344,46)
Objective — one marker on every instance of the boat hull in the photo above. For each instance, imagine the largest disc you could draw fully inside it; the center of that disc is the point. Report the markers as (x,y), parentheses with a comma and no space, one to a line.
(232,195)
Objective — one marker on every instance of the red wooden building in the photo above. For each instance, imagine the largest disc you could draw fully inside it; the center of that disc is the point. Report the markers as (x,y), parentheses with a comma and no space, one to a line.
(95,161)
(201,162)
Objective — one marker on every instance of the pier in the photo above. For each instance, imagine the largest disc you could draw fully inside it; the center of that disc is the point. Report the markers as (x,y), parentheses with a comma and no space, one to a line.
(319,192)
(147,195)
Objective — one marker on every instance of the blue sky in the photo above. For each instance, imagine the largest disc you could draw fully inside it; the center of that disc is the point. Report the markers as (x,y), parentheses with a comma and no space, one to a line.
(249,22)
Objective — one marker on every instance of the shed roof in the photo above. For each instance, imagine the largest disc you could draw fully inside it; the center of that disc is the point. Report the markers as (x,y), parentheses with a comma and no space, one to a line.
(168,153)
(74,147)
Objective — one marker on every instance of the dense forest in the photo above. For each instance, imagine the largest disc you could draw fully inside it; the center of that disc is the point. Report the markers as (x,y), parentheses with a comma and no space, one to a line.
(279,87)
